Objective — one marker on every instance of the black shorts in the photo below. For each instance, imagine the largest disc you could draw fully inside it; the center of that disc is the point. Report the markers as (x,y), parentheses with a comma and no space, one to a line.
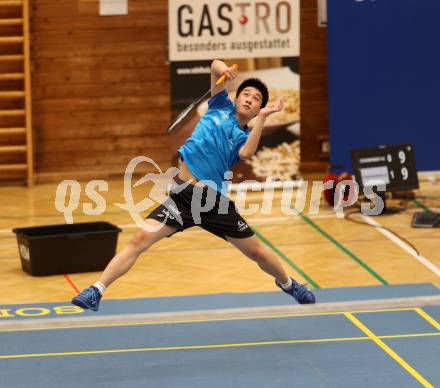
(204,207)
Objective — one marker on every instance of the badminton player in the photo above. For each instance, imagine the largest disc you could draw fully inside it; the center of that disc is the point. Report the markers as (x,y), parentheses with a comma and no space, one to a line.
(220,139)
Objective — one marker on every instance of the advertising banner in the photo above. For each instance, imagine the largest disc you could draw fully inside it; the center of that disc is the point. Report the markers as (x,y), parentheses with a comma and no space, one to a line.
(262,37)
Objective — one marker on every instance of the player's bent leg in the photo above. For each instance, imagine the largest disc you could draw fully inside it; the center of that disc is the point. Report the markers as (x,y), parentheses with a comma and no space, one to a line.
(126,258)
(90,297)
(255,250)
(268,262)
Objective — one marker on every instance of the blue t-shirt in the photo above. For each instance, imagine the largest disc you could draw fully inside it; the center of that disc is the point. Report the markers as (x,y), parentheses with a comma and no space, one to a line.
(213,147)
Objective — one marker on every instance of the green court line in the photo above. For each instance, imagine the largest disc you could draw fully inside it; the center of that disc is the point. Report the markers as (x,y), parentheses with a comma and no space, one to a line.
(285,258)
(214,346)
(344,249)
(421,205)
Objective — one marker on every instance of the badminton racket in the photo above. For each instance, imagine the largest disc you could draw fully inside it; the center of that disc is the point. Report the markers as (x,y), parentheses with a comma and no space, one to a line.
(190,107)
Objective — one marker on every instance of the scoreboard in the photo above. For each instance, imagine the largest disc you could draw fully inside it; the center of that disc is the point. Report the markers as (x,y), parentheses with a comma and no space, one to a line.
(392,165)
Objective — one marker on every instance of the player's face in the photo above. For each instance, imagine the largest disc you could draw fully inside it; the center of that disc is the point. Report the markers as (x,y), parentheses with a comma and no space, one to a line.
(248,102)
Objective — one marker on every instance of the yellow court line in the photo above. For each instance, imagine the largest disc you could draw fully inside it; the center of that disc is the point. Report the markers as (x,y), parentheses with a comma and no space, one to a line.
(389,351)
(244,344)
(428,318)
(414,335)
(200,320)
(217,346)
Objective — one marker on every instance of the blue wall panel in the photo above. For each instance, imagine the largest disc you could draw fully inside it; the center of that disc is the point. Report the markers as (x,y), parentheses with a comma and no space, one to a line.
(384,77)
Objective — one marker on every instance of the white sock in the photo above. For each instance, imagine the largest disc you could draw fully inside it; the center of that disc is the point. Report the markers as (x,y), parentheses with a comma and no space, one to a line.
(287,285)
(100,286)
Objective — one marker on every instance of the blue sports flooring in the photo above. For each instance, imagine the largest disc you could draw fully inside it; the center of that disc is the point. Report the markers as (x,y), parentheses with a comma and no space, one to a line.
(389,348)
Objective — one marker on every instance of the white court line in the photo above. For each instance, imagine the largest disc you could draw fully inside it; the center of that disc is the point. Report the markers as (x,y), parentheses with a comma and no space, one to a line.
(258,220)
(403,245)
(250,220)
(286,218)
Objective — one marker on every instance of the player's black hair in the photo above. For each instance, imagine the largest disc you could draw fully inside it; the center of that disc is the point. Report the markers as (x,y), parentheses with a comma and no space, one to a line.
(257,84)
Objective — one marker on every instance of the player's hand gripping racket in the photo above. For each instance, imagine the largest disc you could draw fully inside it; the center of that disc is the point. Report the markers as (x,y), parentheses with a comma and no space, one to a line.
(190,107)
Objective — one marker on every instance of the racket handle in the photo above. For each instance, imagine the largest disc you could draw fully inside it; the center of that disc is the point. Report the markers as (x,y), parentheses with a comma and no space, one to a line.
(223,77)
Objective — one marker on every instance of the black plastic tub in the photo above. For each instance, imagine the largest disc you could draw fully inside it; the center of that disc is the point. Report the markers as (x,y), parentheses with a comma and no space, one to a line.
(67,248)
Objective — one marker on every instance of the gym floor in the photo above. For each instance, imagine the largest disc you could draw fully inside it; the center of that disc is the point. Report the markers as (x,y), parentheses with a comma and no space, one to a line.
(376,348)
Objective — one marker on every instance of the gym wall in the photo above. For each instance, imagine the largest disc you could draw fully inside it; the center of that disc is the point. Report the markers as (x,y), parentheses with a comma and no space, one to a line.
(384,78)
(101,88)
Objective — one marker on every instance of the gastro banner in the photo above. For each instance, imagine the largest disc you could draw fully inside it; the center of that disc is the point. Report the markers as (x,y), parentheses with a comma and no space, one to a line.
(262,37)
(243,29)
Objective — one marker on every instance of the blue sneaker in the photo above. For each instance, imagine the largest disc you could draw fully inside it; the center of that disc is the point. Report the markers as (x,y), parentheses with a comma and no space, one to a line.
(299,291)
(89,298)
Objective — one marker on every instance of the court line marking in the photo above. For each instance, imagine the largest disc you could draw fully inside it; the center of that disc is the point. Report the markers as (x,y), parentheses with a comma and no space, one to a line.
(421,205)
(260,220)
(72,284)
(343,249)
(423,260)
(427,317)
(120,324)
(388,350)
(409,335)
(263,220)
(265,241)
(257,220)
(249,219)
(214,346)
(285,258)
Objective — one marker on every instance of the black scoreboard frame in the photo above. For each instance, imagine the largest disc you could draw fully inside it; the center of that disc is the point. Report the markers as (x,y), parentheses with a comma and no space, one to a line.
(395,165)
